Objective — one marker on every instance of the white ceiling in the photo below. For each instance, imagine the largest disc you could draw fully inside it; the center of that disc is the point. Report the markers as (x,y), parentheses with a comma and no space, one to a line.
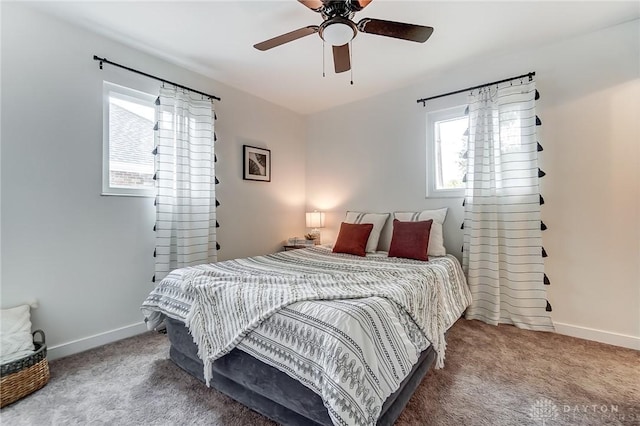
(216,38)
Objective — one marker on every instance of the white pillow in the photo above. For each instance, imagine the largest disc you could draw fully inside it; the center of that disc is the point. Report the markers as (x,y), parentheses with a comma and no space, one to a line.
(15,333)
(436,237)
(377,219)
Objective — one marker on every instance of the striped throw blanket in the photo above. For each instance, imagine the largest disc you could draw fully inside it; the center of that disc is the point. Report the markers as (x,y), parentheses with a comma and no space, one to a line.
(349,328)
(225,309)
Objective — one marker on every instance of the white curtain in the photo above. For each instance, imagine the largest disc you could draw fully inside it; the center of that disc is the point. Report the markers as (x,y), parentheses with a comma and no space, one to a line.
(185,181)
(502,251)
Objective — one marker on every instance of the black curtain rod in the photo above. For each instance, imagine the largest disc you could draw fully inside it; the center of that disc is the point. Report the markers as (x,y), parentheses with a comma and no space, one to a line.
(106,61)
(424,100)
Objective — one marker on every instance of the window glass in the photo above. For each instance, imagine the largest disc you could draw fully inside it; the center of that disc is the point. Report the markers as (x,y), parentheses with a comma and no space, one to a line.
(447,134)
(129,140)
(451,145)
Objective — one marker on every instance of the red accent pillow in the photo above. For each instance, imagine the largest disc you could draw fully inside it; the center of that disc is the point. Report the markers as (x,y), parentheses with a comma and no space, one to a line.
(352,238)
(410,239)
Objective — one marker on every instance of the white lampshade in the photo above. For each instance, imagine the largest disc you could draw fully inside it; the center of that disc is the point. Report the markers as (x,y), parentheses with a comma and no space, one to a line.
(315,219)
(338,34)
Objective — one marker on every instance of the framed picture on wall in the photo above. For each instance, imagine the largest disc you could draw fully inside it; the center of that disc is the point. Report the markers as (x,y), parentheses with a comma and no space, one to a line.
(257,163)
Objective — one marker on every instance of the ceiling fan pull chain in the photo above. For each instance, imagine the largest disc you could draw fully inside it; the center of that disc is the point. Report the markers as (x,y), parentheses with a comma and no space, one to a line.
(351,61)
(323,49)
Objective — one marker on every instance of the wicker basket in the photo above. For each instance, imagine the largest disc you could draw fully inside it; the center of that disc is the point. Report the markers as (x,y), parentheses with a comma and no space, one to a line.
(25,375)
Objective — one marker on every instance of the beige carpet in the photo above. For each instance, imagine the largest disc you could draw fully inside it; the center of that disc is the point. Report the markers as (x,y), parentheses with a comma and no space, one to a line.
(492,376)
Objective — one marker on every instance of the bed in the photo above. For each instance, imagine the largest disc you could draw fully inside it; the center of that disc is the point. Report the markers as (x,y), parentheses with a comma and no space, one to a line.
(312,337)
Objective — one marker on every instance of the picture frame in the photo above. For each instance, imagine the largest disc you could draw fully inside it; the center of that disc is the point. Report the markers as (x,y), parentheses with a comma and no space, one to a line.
(256,163)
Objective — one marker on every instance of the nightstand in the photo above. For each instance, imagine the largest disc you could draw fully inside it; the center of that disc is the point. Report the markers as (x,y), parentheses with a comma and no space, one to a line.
(288,247)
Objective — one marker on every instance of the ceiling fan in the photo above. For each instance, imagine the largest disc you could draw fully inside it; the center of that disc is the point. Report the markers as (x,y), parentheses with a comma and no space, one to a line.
(338,29)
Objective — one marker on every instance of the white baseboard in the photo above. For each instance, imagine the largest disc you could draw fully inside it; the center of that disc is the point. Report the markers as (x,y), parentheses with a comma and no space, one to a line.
(80,345)
(601,336)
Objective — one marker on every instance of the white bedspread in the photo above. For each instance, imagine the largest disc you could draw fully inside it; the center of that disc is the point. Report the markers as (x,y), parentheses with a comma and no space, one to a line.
(353,350)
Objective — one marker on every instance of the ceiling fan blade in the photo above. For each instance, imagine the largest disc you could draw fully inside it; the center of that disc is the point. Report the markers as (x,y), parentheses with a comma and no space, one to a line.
(404,31)
(286,38)
(358,5)
(341,59)
(315,5)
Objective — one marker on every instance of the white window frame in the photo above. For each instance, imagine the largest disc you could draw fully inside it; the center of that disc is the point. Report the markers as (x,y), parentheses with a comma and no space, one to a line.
(432,118)
(133,96)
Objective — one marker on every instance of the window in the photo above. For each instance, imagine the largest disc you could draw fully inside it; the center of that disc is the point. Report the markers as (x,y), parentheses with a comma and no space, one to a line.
(128,140)
(446,147)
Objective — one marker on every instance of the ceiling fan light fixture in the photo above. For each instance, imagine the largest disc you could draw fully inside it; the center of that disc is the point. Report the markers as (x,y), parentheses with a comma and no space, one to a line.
(338,29)
(338,33)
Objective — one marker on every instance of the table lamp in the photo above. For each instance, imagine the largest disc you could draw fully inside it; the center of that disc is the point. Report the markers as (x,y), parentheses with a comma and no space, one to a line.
(315,220)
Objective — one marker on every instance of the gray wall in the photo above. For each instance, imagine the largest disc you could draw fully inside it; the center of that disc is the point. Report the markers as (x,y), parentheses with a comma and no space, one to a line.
(87,258)
(371,155)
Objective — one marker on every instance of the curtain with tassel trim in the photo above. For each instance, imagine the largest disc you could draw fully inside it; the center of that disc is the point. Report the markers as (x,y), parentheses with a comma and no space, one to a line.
(502,251)
(185,181)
